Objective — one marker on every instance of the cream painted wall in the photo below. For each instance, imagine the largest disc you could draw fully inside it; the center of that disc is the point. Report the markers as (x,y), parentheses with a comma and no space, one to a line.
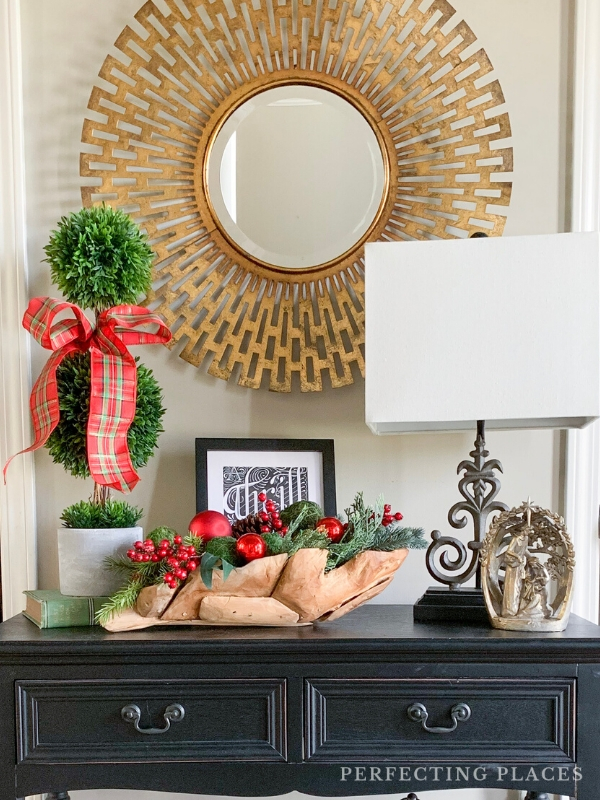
(65,42)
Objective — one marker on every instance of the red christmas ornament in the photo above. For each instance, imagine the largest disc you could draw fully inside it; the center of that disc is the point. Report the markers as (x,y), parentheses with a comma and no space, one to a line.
(251,546)
(208,525)
(332,527)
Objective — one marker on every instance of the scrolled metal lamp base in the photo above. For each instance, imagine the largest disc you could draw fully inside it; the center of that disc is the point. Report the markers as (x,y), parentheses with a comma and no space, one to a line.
(448,560)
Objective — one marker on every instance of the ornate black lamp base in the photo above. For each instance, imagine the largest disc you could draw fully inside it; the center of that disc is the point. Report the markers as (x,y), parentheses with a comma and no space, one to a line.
(448,560)
(441,604)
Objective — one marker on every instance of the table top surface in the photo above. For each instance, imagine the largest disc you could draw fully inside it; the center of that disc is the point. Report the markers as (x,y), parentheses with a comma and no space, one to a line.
(371,628)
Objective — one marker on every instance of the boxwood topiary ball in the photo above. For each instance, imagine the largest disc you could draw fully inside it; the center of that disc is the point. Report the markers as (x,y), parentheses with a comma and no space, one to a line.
(99,258)
(67,443)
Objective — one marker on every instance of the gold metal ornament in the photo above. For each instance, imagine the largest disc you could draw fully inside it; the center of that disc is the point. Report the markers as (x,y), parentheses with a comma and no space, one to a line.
(527,567)
(411,68)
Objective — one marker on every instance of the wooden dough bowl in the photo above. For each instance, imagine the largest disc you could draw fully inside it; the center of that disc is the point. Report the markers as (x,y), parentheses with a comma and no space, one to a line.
(272,591)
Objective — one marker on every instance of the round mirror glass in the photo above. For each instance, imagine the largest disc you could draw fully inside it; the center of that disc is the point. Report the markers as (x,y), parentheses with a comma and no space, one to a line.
(296,176)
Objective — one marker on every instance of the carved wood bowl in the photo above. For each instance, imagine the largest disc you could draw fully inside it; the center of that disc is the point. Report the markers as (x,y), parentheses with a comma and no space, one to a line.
(273,591)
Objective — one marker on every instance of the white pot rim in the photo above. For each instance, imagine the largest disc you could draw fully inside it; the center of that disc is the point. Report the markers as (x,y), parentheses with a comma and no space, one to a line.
(133,531)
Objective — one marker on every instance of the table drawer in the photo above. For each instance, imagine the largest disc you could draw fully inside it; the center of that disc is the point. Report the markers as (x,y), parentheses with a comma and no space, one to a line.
(472,720)
(85,721)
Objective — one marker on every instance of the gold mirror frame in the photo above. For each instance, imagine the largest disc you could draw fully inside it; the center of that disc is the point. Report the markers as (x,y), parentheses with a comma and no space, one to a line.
(207,210)
(427,92)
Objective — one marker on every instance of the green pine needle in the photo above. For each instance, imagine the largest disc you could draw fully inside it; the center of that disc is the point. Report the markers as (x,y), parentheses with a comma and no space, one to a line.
(396,538)
(292,542)
(365,532)
(191,540)
(139,575)
(147,570)
(121,600)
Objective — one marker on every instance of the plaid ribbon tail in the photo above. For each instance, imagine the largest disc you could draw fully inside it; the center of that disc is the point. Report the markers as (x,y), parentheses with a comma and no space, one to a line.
(112,410)
(43,403)
(114,391)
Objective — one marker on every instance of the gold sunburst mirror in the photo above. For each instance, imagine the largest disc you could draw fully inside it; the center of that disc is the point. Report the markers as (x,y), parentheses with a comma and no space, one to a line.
(261,143)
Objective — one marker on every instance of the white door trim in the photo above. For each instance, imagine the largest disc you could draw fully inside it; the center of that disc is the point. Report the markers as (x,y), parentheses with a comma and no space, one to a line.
(17,498)
(582,480)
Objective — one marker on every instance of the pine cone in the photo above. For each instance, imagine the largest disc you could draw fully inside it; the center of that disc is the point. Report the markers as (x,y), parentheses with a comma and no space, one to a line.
(250,524)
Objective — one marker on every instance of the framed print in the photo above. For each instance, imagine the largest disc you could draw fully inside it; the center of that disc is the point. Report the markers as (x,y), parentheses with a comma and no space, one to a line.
(231,473)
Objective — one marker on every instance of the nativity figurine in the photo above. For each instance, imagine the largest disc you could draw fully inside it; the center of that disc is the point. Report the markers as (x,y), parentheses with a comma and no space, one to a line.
(527,566)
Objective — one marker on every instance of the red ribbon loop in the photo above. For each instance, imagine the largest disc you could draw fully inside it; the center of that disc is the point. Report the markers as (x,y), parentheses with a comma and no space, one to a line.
(38,320)
(113,379)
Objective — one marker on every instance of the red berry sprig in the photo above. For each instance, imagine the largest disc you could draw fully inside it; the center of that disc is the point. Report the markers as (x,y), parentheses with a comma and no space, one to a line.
(181,559)
(389,516)
(269,517)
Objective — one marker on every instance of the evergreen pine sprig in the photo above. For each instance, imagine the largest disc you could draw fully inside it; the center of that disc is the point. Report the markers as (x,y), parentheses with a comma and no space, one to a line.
(138,575)
(128,567)
(395,537)
(365,532)
(123,599)
(190,539)
(291,543)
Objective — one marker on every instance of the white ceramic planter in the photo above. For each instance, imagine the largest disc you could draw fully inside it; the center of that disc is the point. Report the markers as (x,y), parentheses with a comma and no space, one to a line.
(81,554)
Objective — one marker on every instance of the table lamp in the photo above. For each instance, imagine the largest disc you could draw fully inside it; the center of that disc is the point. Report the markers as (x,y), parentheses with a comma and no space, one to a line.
(460,334)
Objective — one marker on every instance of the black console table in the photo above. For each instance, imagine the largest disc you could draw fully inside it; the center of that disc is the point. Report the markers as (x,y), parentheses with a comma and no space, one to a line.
(370,704)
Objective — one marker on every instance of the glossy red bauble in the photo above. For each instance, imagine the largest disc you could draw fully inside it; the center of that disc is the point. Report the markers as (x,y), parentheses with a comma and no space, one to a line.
(208,525)
(332,527)
(251,546)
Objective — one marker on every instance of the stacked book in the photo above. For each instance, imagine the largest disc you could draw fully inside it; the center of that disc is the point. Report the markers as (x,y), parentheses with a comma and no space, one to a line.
(51,609)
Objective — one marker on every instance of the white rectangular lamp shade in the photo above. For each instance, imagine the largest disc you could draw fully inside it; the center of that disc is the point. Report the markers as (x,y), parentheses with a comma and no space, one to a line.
(506,330)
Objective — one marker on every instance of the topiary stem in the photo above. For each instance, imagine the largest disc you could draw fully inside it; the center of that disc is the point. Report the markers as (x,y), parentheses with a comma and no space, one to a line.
(101,494)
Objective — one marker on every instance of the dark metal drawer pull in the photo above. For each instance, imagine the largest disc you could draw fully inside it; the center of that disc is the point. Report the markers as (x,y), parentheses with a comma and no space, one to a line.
(459,713)
(174,713)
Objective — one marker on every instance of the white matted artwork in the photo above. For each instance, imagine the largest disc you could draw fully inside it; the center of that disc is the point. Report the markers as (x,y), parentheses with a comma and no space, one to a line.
(236,479)
(230,479)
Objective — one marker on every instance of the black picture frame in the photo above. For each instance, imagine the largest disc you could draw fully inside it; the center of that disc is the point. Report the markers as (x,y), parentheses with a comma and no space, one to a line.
(323,446)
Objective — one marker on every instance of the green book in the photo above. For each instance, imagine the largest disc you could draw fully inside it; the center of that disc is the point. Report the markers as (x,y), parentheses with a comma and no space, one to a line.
(51,609)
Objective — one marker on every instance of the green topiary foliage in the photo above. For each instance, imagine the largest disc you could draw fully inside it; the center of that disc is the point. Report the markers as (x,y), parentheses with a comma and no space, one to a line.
(67,443)
(99,258)
(112,514)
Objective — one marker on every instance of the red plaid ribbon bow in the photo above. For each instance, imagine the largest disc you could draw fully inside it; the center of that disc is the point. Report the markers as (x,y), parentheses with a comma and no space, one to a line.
(113,384)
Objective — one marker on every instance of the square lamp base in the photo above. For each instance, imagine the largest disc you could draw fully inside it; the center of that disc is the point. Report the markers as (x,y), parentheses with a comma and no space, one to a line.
(441,605)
